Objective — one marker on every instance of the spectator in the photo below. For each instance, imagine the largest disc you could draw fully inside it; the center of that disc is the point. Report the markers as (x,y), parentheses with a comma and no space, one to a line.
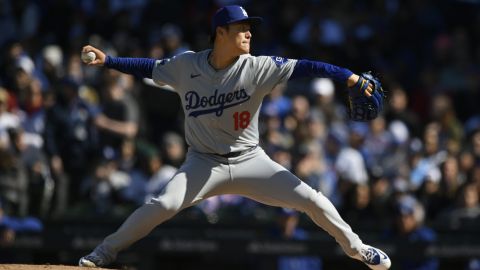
(19,71)
(450,128)
(171,39)
(376,148)
(381,191)
(323,90)
(358,208)
(276,135)
(409,229)
(51,66)
(466,162)
(70,137)
(108,188)
(432,155)
(399,110)
(475,141)
(287,229)
(40,186)
(451,182)
(158,175)
(173,147)
(13,183)
(475,176)
(282,156)
(393,161)
(296,121)
(118,119)
(350,164)
(276,104)
(32,115)
(466,212)
(310,166)
(429,194)
(8,120)
(330,182)
(128,156)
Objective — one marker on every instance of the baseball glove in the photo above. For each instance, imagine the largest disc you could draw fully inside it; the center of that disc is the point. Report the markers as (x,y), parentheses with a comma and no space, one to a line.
(361,107)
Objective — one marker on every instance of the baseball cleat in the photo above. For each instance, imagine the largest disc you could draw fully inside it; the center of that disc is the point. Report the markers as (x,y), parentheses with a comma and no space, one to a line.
(92,260)
(374,258)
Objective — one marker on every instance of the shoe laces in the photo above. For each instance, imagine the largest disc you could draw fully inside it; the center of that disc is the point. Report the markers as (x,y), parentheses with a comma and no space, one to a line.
(371,256)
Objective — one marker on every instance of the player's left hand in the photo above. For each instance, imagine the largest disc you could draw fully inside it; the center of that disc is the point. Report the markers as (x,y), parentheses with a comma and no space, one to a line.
(365,98)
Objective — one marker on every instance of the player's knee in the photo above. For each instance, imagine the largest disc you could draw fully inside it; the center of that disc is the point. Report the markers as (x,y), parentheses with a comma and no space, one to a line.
(312,201)
(169,205)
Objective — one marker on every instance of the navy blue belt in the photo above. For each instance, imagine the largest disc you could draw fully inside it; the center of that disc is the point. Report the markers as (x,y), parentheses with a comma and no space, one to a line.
(237,153)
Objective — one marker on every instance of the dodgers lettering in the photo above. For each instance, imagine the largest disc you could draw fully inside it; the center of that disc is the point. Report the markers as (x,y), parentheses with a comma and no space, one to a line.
(215,103)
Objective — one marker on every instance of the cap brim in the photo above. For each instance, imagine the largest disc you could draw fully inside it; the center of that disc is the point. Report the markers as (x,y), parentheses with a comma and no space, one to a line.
(251,20)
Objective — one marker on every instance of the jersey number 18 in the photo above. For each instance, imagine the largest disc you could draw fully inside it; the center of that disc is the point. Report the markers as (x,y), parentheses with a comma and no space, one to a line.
(241,119)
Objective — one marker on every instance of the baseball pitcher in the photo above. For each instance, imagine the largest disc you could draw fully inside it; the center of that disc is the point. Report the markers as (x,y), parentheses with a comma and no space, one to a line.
(221,91)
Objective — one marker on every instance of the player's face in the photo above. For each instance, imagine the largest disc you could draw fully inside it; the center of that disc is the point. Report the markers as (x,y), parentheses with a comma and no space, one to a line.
(239,36)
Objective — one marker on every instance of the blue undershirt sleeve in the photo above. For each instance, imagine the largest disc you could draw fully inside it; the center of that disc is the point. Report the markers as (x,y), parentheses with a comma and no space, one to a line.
(139,67)
(307,68)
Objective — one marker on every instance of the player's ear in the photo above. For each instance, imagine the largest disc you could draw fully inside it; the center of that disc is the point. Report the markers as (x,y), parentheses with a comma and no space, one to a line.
(218,31)
(221,31)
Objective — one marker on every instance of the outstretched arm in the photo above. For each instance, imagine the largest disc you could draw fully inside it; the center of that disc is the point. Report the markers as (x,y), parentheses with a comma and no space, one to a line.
(128,129)
(140,67)
(307,68)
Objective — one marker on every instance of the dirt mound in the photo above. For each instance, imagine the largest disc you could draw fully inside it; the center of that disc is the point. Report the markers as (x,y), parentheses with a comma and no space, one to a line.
(42,267)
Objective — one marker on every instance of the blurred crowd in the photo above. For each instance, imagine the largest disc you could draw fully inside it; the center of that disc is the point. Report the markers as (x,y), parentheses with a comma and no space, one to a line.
(77,140)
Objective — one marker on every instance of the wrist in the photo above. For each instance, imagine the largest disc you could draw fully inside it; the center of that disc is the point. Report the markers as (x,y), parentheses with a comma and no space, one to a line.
(108,61)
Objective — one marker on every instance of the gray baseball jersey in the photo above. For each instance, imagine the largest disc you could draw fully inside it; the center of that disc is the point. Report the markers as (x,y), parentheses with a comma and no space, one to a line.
(222,107)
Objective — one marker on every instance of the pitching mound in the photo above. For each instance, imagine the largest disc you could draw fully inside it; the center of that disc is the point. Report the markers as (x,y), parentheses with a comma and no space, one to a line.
(41,267)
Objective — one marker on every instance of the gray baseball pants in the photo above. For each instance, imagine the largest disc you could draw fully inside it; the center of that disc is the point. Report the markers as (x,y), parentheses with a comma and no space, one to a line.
(253,175)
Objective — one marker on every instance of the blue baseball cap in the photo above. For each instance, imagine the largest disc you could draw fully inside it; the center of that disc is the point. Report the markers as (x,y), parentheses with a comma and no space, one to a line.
(232,14)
